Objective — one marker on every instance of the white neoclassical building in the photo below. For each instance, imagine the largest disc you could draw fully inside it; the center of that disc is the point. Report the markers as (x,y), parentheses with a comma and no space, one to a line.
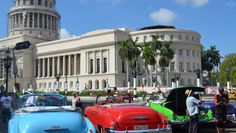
(90,60)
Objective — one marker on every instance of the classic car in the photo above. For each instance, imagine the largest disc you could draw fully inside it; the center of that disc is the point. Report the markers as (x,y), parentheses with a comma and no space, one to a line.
(125,117)
(232,94)
(231,111)
(47,113)
(174,107)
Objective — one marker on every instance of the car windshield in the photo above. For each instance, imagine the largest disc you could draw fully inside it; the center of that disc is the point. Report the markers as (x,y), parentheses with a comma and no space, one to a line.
(42,100)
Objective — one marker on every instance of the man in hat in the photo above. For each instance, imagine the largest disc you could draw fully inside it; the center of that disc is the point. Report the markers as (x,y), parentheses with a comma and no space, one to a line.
(221,102)
(193,110)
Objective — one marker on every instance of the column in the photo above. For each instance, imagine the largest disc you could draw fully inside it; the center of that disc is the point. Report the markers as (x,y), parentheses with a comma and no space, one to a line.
(53,66)
(44,68)
(40,73)
(75,64)
(58,65)
(43,21)
(64,65)
(101,60)
(28,19)
(69,64)
(94,62)
(48,67)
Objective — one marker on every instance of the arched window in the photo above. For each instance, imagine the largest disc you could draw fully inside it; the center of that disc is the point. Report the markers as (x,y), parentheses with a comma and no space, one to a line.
(71,84)
(96,84)
(104,83)
(44,85)
(50,85)
(90,84)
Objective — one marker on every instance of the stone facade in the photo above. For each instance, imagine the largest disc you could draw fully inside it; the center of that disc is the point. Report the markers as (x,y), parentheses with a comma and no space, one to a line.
(90,60)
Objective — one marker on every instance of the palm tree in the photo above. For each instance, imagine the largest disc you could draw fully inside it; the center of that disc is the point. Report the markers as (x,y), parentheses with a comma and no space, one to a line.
(129,52)
(166,55)
(148,55)
(210,60)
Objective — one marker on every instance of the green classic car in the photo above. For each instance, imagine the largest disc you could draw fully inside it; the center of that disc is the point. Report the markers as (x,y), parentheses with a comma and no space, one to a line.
(174,107)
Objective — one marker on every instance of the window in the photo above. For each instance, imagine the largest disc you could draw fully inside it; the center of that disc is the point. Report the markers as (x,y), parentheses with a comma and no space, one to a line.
(172,66)
(180,37)
(104,65)
(45,21)
(181,67)
(187,37)
(46,3)
(193,53)
(162,37)
(180,52)
(91,66)
(39,2)
(188,67)
(36,20)
(40,20)
(171,37)
(123,67)
(187,52)
(189,82)
(31,2)
(193,38)
(194,66)
(24,2)
(98,66)
(144,38)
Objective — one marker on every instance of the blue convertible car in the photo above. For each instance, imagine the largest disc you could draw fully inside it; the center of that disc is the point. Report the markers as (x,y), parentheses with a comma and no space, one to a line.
(47,113)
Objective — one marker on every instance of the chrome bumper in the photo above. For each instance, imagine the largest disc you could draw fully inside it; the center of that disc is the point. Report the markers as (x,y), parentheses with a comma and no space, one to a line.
(231,117)
(160,130)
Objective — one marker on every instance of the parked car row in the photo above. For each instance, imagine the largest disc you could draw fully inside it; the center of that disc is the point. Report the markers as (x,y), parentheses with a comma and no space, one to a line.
(49,113)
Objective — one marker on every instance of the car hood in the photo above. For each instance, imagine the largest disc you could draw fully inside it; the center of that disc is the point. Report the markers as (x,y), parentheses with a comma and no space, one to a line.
(178,94)
(132,113)
(47,122)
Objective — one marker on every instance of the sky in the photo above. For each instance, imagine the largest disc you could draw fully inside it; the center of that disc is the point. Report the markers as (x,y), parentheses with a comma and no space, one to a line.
(215,20)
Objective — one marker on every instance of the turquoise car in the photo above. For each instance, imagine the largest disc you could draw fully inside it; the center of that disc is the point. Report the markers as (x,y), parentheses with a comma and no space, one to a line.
(174,107)
(47,113)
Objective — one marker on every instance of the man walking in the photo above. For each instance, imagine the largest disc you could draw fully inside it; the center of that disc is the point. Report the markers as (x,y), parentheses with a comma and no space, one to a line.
(193,110)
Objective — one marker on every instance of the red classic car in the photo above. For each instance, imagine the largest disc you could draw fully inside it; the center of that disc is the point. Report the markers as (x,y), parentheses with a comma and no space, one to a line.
(125,117)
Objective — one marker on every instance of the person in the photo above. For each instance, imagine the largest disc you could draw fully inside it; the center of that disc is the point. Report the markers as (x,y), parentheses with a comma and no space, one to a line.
(32,101)
(6,105)
(110,98)
(221,101)
(193,110)
(76,103)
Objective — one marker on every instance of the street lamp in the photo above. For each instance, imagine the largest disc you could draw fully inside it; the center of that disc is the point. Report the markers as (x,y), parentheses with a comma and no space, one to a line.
(136,71)
(58,76)
(227,76)
(7,64)
(77,84)
(198,73)
(177,77)
(66,86)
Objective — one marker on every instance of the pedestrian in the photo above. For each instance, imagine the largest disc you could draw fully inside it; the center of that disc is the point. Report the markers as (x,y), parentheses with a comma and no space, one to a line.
(76,103)
(193,110)
(221,102)
(5,106)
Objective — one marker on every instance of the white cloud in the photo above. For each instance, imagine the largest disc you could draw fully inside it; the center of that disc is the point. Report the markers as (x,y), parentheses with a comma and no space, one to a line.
(65,34)
(230,3)
(195,3)
(163,16)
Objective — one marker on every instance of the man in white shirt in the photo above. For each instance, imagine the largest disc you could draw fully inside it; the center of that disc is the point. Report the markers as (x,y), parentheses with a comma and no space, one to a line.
(6,104)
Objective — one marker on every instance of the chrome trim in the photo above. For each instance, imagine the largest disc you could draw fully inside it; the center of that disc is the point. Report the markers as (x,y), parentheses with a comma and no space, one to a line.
(162,130)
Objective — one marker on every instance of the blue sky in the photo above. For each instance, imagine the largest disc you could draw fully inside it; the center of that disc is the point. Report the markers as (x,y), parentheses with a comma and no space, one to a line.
(215,20)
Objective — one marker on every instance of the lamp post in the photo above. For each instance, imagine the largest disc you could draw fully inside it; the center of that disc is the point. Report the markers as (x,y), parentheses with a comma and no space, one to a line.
(198,72)
(177,77)
(77,84)
(136,71)
(58,76)
(66,86)
(227,76)
(7,64)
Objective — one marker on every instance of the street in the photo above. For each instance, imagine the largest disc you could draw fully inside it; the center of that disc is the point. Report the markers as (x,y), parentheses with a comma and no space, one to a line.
(88,101)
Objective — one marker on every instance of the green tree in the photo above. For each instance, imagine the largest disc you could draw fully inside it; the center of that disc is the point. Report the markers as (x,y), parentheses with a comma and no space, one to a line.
(210,60)
(230,62)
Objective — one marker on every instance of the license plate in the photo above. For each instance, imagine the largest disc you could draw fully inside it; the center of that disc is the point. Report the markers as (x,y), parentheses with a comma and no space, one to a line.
(141,127)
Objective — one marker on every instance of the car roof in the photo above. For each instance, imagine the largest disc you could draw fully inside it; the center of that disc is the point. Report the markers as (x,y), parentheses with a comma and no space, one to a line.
(178,93)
